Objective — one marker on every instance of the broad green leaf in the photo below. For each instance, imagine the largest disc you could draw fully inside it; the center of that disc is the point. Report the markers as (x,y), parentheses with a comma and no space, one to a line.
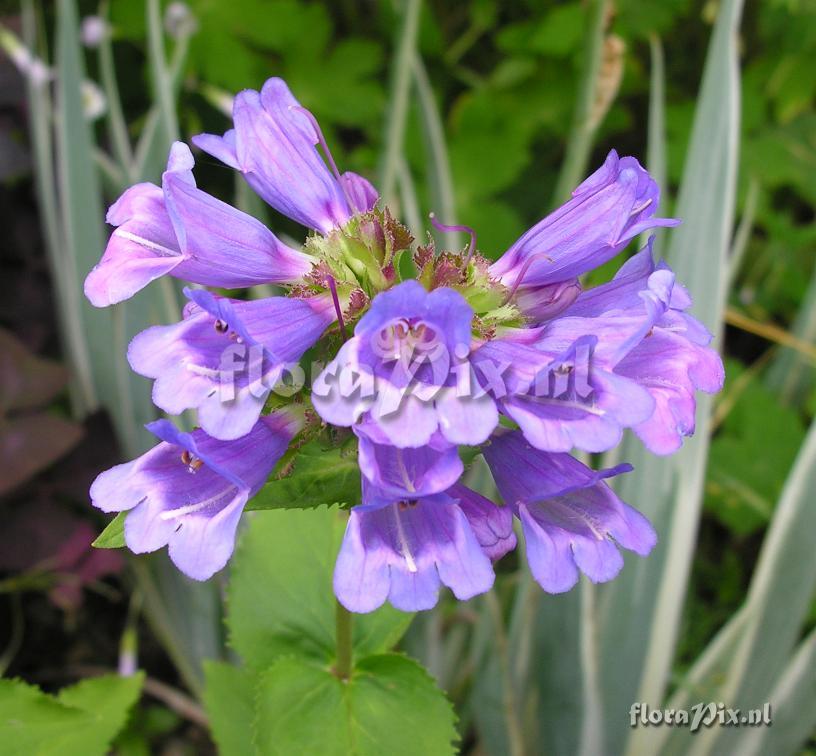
(34,724)
(113,536)
(81,721)
(109,699)
(281,599)
(389,706)
(318,476)
(229,698)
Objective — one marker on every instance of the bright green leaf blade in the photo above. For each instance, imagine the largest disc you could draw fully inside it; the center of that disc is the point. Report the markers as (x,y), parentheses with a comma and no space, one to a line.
(34,724)
(319,476)
(389,706)
(229,698)
(81,721)
(109,698)
(281,599)
(113,536)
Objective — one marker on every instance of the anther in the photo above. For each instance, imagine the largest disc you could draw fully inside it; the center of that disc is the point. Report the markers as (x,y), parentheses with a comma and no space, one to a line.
(192,463)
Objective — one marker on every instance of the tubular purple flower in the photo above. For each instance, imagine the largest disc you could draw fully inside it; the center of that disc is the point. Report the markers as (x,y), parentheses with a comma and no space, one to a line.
(671,361)
(405,550)
(611,207)
(183,232)
(562,400)
(226,355)
(189,491)
(407,370)
(570,518)
(409,472)
(274,145)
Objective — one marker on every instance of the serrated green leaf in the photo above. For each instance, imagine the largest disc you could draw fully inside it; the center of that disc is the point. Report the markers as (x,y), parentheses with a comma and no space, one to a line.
(109,699)
(113,536)
(280,596)
(319,476)
(32,722)
(389,706)
(229,698)
(81,721)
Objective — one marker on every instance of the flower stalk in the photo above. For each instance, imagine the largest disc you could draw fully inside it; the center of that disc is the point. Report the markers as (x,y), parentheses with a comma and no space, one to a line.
(343,625)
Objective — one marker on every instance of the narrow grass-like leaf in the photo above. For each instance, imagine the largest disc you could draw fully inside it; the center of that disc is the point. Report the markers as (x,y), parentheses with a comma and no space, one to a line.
(778,602)
(80,246)
(117,127)
(791,373)
(656,136)
(743,234)
(398,107)
(185,616)
(83,393)
(793,708)
(153,145)
(639,613)
(584,125)
(440,180)
(162,80)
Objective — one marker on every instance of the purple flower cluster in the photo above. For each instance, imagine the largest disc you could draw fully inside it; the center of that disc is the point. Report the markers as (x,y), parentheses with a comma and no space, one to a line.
(514,358)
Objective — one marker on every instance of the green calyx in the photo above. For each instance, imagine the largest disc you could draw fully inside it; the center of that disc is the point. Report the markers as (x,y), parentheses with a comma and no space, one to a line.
(363,254)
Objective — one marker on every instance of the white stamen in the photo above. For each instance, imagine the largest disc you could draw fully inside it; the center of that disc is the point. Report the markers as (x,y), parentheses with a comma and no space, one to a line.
(405,550)
(201,370)
(172,514)
(636,210)
(163,251)
(403,472)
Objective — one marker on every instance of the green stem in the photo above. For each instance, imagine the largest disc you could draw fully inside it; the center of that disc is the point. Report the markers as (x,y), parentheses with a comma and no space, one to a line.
(162,77)
(656,137)
(583,125)
(343,623)
(439,171)
(117,126)
(398,109)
